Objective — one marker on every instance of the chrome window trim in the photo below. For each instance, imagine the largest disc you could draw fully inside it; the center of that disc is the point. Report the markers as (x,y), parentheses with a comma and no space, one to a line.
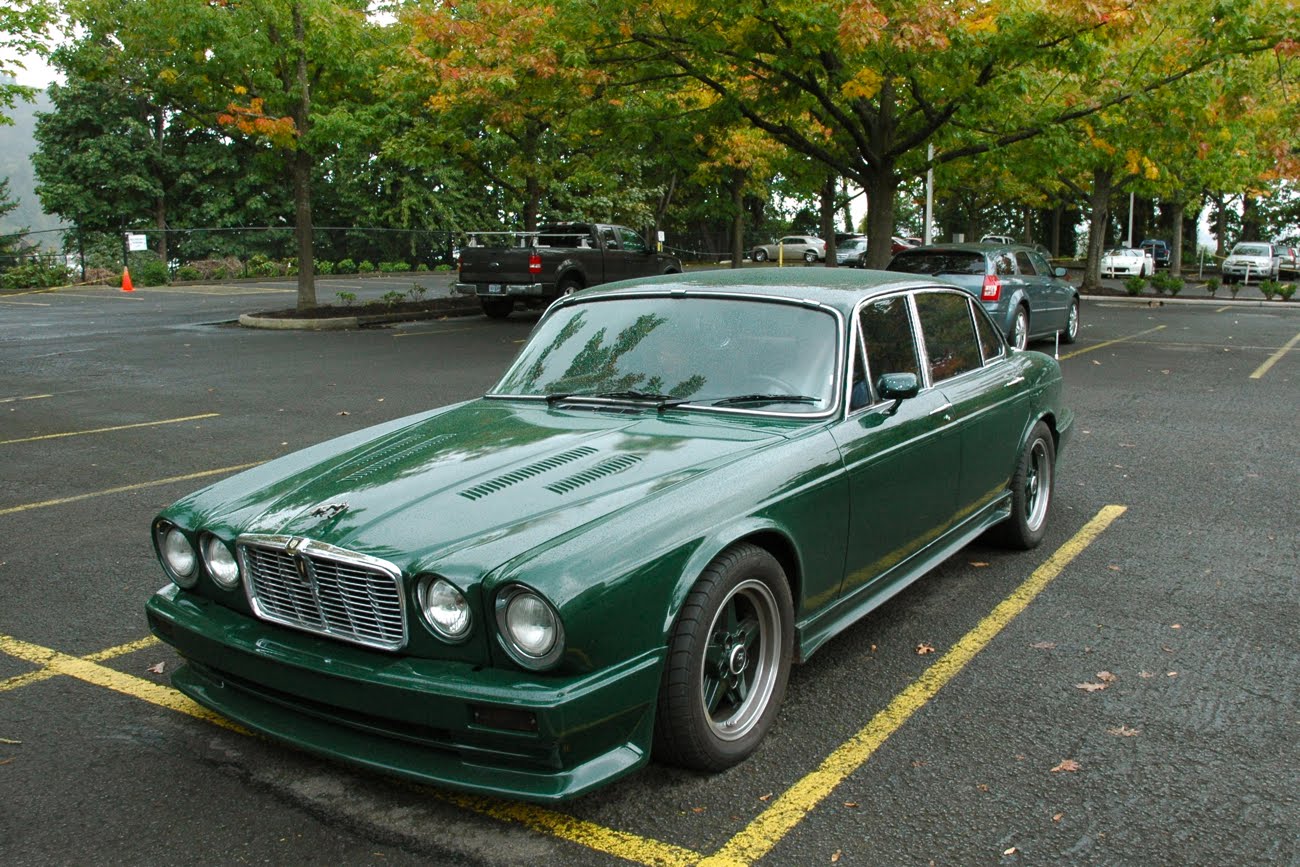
(323,550)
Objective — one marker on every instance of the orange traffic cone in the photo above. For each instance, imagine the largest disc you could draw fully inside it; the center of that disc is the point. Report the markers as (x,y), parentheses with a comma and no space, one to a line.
(126,281)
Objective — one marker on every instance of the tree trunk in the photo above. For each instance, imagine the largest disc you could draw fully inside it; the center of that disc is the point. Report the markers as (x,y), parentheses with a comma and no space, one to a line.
(1057,213)
(1249,218)
(882,183)
(849,228)
(737,219)
(1103,182)
(1221,226)
(828,219)
(302,166)
(1176,209)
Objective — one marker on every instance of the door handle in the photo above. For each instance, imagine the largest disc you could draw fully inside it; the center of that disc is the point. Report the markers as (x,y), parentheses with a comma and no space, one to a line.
(1015,381)
(939,409)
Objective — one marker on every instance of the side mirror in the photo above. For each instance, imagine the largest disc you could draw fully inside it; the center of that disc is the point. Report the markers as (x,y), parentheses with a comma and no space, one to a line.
(1061,272)
(897,387)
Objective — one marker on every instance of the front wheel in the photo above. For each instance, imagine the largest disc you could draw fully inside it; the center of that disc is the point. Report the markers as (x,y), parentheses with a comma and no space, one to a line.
(497,308)
(1071,332)
(809,256)
(1031,492)
(728,662)
(760,255)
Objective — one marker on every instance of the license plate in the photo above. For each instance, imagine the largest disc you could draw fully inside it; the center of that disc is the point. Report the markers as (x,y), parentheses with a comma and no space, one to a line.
(494,288)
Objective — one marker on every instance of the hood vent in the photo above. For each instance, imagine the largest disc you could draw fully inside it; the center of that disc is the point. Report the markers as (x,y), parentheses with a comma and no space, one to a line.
(393,453)
(601,470)
(514,477)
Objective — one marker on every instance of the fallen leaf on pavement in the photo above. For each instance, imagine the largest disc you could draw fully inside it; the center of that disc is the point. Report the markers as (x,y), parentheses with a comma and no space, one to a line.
(1010,851)
(9,741)
(1124,731)
(1105,677)
(922,649)
(765,798)
(1043,645)
(978,564)
(343,412)
(1058,817)
(697,809)
(851,804)
(1145,674)
(1068,765)
(836,855)
(157,668)
(1090,687)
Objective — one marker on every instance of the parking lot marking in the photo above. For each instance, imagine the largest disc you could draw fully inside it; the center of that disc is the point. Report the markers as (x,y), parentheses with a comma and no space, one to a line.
(24,303)
(78,433)
(25,397)
(787,811)
(84,669)
(99,656)
(124,488)
(1078,352)
(1275,357)
(1224,309)
(442,331)
(641,850)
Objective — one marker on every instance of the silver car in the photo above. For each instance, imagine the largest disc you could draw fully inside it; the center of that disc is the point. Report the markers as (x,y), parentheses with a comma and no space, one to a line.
(790,247)
(1251,260)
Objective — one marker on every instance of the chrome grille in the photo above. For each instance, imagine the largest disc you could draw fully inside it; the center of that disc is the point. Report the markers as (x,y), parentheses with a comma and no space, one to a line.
(323,589)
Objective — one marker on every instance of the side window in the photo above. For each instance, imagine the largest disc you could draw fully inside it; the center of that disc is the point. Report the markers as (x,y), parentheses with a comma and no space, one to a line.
(1040,261)
(1026,264)
(860,391)
(632,241)
(1003,266)
(991,345)
(949,334)
(887,330)
(609,237)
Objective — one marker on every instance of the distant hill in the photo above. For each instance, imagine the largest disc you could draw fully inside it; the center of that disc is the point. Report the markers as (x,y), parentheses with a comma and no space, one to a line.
(17,143)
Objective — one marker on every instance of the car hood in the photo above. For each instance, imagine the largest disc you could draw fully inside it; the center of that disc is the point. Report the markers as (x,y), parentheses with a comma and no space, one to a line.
(489,474)
(1251,258)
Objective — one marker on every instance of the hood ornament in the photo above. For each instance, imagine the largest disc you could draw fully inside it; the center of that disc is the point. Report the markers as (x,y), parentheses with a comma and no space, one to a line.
(329,510)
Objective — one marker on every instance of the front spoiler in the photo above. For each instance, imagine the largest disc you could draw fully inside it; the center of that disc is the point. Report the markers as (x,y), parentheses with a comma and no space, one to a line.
(412,718)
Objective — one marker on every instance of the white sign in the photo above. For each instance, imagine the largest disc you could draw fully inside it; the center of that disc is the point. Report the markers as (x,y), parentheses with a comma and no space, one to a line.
(136,243)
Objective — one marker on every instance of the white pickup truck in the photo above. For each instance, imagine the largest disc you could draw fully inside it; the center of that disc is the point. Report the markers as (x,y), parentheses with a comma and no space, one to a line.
(1251,260)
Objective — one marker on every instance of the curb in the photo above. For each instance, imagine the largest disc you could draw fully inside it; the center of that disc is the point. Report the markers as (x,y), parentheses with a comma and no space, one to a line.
(344,323)
(1154,301)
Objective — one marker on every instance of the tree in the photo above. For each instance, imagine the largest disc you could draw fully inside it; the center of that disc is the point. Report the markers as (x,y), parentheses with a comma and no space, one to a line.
(22,31)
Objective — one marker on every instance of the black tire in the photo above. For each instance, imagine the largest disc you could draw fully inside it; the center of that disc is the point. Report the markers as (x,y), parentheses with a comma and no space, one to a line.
(810,255)
(1071,332)
(1032,486)
(568,286)
(1019,336)
(721,689)
(760,255)
(497,308)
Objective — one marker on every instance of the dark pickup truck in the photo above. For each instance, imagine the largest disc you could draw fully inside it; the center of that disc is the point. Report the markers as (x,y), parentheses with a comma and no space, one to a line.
(535,268)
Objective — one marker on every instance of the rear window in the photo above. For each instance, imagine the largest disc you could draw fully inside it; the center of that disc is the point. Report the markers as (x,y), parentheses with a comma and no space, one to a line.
(938,262)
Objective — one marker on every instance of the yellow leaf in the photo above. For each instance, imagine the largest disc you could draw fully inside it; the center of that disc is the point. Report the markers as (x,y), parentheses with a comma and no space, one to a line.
(865,85)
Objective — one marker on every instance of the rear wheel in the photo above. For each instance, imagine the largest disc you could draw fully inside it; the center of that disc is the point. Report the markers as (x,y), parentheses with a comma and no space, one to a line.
(1031,492)
(497,308)
(760,255)
(1020,328)
(728,662)
(568,286)
(810,255)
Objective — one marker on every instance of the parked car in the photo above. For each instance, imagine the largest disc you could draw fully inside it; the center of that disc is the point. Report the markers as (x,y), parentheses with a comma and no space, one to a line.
(1251,260)
(791,247)
(898,245)
(507,269)
(679,488)
(1158,249)
(998,239)
(1025,295)
(852,252)
(1287,258)
(1127,262)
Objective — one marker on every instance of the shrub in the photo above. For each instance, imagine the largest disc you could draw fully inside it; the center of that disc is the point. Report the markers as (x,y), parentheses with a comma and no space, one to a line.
(1234,288)
(394,267)
(421,267)
(346,266)
(188,272)
(324,266)
(391,297)
(35,275)
(1135,284)
(1212,286)
(147,270)
(346,298)
(366,267)
(217,269)
(1269,288)
(1285,291)
(1166,282)
(416,292)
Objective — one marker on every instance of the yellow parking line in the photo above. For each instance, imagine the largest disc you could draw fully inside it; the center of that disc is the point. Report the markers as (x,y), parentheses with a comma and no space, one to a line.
(124,488)
(1275,357)
(443,331)
(1078,352)
(1224,309)
(98,656)
(787,811)
(100,675)
(25,397)
(77,433)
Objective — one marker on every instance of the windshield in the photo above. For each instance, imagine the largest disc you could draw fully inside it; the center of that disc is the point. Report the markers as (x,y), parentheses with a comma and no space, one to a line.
(853,244)
(1251,250)
(726,352)
(939,262)
(1126,253)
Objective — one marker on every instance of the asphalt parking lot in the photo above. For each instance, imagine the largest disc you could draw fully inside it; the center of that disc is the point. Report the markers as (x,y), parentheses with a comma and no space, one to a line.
(1125,694)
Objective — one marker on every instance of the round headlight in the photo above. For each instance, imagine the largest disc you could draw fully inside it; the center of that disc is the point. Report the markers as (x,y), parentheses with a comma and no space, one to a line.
(444,608)
(179,557)
(221,563)
(530,627)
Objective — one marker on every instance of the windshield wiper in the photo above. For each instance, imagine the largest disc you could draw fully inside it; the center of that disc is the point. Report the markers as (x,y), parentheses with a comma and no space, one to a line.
(765,398)
(661,401)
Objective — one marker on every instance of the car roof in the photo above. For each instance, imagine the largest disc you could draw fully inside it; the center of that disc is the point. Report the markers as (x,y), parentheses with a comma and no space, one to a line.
(984,247)
(838,288)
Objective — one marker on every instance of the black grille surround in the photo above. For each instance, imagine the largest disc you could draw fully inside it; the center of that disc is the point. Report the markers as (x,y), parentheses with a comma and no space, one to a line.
(322,589)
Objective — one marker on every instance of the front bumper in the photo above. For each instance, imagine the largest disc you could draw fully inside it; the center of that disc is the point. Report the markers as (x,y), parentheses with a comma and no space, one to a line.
(434,721)
(1241,269)
(500,290)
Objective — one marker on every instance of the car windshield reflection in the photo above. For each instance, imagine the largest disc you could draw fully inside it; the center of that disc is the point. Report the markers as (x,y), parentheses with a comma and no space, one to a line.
(673,352)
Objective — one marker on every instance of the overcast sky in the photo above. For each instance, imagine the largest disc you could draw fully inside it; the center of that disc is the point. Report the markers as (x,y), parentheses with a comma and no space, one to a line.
(37,74)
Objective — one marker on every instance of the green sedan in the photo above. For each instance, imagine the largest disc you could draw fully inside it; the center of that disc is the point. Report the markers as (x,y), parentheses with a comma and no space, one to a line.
(682,486)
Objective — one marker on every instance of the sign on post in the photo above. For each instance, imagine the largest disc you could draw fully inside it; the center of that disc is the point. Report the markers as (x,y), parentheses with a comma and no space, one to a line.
(136,243)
